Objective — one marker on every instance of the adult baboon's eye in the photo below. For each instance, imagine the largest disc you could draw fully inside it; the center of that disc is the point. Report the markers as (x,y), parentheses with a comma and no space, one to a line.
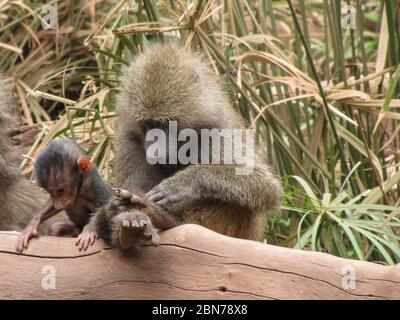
(60,191)
(150,124)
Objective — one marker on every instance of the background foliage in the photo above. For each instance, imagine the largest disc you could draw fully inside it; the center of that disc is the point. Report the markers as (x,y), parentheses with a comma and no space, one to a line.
(324,99)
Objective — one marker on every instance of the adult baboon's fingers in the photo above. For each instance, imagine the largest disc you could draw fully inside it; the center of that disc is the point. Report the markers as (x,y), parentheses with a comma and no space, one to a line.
(163,202)
(170,199)
(157,196)
(153,191)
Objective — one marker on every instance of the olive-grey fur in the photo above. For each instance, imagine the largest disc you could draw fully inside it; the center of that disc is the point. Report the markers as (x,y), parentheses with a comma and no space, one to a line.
(19,199)
(166,82)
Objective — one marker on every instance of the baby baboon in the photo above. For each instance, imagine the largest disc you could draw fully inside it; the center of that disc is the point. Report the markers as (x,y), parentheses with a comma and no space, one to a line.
(74,185)
(167,83)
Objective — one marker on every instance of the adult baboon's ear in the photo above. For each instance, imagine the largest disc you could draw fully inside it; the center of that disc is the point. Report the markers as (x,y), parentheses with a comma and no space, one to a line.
(84,164)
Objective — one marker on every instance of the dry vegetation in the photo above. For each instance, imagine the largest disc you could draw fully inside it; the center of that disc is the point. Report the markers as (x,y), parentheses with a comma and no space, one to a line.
(324,99)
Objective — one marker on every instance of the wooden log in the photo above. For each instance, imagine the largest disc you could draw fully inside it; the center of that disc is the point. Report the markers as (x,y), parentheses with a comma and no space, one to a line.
(191,263)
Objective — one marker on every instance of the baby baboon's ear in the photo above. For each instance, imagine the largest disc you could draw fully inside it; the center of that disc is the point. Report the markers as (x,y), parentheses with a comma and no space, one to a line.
(84,163)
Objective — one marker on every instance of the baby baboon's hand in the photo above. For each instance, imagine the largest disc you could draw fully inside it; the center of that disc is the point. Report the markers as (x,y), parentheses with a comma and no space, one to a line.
(85,239)
(30,232)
